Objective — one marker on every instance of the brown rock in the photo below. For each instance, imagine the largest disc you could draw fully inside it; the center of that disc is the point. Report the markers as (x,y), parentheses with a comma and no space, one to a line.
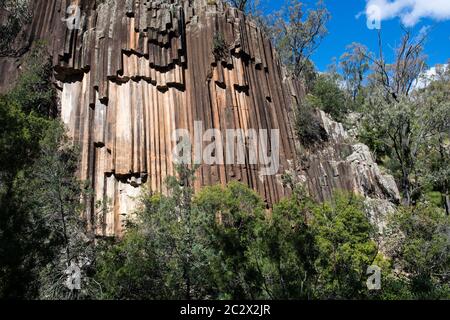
(139,69)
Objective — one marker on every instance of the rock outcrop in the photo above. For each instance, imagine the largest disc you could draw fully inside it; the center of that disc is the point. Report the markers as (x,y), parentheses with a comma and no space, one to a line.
(135,70)
(341,163)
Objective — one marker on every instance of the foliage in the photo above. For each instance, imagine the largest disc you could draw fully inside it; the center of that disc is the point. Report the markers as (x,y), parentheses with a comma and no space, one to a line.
(17,14)
(309,75)
(219,46)
(330,97)
(411,131)
(238,213)
(22,113)
(19,137)
(179,248)
(128,269)
(40,227)
(41,232)
(298,34)
(308,126)
(343,236)
(57,209)
(407,126)
(233,249)
(435,157)
(34,91)
(354,65)
(419,244)
(21,130)
(164,248)
(287,251)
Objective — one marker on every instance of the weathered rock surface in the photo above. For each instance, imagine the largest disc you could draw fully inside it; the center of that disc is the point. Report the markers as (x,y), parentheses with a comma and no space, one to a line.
(341,163)
(138,69)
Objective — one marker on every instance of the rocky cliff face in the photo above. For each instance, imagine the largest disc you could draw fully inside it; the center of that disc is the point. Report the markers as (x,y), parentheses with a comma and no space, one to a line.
(135,70)
(341,163)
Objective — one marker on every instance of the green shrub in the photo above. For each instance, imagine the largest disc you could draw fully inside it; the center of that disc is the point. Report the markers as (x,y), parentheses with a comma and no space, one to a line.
(331,97)
(18,14)
(219,46)
(34,90)
(308,125)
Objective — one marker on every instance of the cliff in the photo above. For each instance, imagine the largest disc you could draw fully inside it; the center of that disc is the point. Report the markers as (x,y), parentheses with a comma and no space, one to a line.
(135,70)
(342,163)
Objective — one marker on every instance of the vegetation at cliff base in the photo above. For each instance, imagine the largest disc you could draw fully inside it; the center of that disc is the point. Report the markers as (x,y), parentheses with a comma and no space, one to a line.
(221,243)
(225,242)
(41,230)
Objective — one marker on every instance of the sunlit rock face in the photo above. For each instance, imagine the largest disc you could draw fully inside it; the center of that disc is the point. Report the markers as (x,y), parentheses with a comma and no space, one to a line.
(130,72)
(135,71)
(342,163)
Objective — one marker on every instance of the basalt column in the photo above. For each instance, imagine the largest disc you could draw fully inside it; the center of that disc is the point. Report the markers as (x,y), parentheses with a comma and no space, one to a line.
(132,71)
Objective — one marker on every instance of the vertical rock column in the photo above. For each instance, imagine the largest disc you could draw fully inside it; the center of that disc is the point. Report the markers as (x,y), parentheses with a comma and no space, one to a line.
(135,70)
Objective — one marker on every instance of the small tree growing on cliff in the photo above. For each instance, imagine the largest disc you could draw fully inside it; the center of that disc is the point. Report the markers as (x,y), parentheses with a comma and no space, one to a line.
(297,35)
(219,46)
(307,123)
(15,14)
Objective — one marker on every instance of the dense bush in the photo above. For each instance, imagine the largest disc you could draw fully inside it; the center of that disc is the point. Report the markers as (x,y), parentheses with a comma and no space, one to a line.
(418,241)
(222,244)
(308,125)
(17,14)
(41,230)
(330,97)
(219,46)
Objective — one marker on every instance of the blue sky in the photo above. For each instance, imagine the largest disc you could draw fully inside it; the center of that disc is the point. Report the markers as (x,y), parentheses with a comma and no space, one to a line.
(345,28)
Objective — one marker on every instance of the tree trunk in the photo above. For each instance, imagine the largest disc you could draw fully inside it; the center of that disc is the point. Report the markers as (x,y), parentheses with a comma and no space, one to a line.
(446,200)
(406,186)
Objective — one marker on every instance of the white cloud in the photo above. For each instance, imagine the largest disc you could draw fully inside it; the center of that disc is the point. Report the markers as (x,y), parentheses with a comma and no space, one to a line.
(428,76)
(409,11)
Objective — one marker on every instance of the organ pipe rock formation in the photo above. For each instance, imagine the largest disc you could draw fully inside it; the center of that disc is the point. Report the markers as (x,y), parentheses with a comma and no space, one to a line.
(130,72)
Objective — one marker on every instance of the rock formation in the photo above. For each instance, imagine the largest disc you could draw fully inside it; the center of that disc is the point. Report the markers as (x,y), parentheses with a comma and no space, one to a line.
(341,163)
(135,70)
